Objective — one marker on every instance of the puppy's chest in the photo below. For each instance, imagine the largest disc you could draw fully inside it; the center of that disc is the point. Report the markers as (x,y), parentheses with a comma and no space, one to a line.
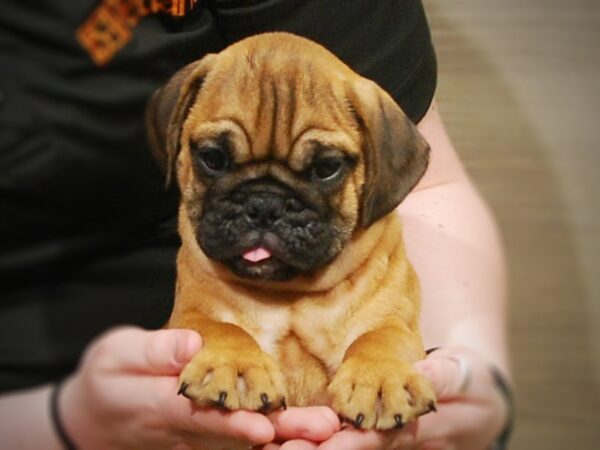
(308,344)
(283,332)
(309,352)
(306,374)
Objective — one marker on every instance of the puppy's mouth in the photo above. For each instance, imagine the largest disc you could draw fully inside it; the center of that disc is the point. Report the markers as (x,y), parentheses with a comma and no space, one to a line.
(256,255)
(265,259)
(260,262)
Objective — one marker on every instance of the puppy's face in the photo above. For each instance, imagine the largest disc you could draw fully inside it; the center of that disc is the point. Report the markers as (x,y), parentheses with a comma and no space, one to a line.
(281,153)
(265,215)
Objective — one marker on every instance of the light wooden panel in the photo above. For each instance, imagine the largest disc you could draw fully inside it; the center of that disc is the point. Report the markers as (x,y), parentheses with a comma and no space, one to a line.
(519,94)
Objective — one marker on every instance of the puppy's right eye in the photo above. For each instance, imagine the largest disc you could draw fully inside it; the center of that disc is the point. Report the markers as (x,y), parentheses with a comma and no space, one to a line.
(326,169)
(212,159)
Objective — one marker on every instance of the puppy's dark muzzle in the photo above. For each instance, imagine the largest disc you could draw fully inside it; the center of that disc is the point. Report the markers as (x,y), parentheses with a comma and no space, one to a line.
(270,218)
(263,210)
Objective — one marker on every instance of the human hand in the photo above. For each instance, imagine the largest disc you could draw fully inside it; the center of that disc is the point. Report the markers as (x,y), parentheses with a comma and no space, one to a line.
(471,412)
(123,396)
(471,409)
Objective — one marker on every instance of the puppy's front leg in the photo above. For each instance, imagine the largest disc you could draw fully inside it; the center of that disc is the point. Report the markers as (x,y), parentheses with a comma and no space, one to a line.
(230,371)
(376,385)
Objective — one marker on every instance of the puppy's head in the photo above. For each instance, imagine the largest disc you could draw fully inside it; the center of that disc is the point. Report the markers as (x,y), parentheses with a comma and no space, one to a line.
(282,153)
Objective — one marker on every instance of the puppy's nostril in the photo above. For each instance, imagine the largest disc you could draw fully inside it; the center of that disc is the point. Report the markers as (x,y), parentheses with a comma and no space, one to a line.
(253,216)
(263,212)
(291,204)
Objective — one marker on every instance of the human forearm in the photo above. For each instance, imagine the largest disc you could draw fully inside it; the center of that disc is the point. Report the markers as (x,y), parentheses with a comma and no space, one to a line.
(25,421)
(454,244)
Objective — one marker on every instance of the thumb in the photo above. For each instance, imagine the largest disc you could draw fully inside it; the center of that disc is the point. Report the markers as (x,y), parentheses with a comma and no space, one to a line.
(162,352)
(450,375)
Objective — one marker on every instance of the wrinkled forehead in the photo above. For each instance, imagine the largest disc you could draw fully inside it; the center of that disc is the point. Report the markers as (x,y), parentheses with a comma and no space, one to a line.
(273,104)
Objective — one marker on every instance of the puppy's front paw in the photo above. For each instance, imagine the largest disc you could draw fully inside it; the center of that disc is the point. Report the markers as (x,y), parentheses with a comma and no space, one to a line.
(233,379)
(380,394)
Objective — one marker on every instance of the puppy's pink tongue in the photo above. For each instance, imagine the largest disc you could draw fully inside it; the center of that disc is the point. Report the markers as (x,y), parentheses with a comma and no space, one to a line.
(257,254)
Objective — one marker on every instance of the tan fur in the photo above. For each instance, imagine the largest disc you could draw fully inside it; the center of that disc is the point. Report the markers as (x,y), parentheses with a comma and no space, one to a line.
(345,336)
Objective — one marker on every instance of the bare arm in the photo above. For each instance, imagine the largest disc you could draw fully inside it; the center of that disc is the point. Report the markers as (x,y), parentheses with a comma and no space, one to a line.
(454,244)
(24,422)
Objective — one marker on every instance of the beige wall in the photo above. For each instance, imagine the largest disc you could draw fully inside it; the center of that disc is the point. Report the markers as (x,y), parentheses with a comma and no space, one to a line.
(519,91)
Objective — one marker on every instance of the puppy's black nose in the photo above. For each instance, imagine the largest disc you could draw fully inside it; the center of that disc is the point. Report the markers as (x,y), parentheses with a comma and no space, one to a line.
(262,210)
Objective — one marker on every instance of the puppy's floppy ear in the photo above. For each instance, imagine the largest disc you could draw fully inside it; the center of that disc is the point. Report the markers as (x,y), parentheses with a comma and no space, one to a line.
(167,109)
(396,154)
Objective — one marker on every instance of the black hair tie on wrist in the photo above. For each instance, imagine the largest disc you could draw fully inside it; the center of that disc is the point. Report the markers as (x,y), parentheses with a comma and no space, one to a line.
(55,417)
(503,386)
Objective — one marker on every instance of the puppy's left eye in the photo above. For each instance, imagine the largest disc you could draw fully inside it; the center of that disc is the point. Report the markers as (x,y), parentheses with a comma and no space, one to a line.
(213,160)
(327,168)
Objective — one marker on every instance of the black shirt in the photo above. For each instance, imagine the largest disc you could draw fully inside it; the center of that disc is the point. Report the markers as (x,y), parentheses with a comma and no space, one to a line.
(87,230)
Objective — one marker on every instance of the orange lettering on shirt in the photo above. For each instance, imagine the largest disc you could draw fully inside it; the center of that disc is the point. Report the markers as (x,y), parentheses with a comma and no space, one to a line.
(110,25)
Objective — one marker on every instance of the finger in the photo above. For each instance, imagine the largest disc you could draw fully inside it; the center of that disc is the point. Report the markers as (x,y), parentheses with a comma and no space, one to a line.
(456,372)
(441,444)
(240,425)
(272,446)
(404,439)
(298,444)
(353,439)
(246,425)
(243,425)
(162,352)
(445,375)
(316,423)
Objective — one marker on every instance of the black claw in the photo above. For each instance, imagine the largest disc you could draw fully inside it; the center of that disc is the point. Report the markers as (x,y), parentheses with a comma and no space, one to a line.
(264,398)
(182,389)
(399,422)
(221,401)
(283,403)
(359,420)
(266,404)
(432,406)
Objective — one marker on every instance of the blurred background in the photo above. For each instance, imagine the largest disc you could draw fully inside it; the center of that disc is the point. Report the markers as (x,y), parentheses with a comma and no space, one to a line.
(519,94)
